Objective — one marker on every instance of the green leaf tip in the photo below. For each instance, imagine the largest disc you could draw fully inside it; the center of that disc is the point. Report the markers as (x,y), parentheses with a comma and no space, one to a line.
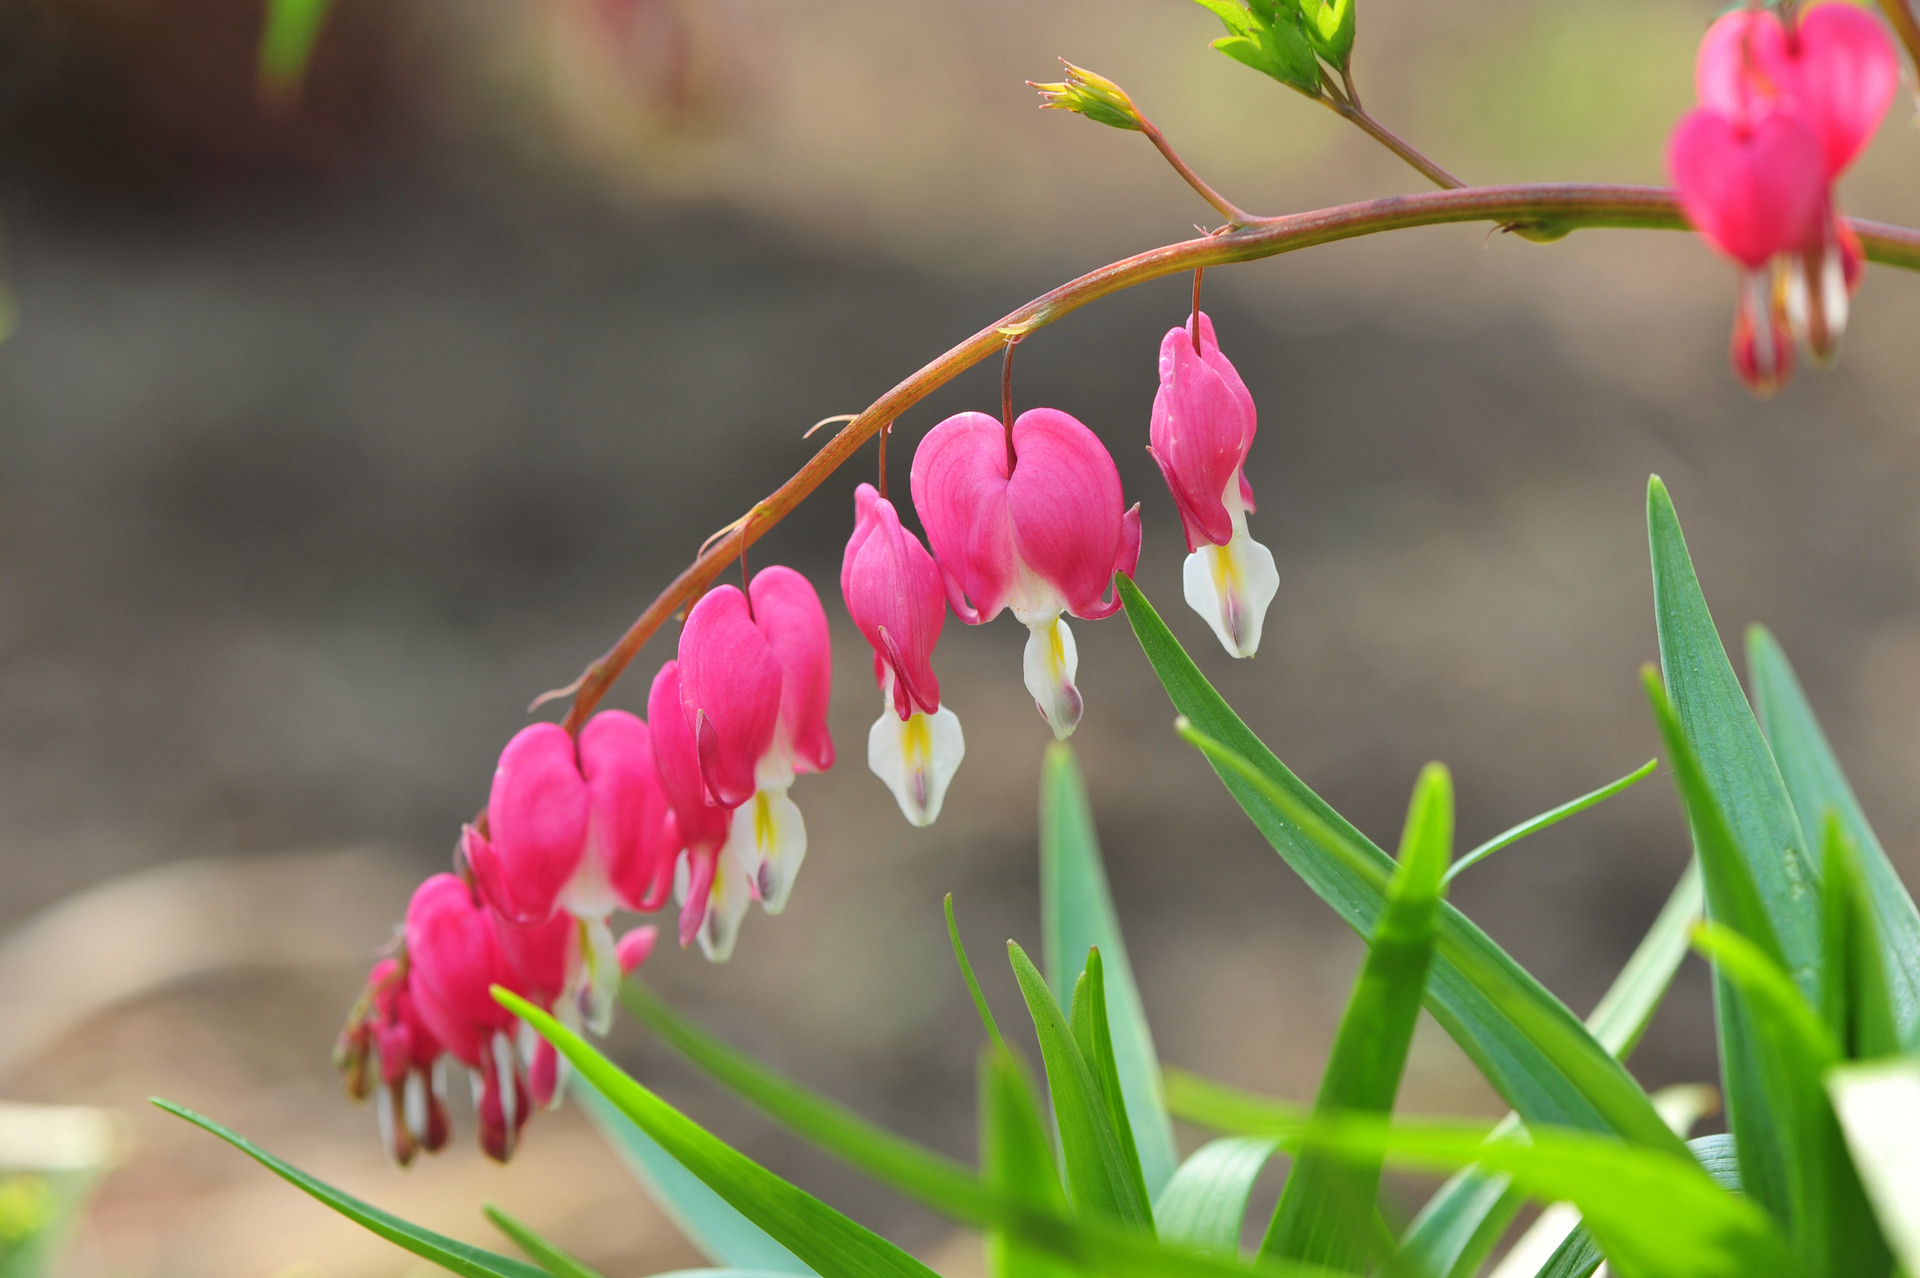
(980,1003)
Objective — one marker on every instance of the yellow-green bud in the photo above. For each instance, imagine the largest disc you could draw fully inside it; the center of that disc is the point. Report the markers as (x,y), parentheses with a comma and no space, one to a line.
(1090,94)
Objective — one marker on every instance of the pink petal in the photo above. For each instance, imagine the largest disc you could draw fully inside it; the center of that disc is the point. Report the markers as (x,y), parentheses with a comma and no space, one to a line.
(1737,70)
(697,823)
(453,960)
(1752,191)
(1202,427)
(730,691)
(537,957)
(893,591)
(1065,500)
(633,949)
(633,822)
(701,865)
(1849,74)
(537,821)
(787,610)
(960,491)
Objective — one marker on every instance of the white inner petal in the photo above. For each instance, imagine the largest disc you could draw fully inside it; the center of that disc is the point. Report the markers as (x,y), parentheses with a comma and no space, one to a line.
(1232,586)
(726,905)
(768,840)
(916,759)
(598,982)
(1050,663)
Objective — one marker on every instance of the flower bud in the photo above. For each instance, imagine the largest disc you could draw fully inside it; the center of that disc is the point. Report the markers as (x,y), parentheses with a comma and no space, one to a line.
(1090,94)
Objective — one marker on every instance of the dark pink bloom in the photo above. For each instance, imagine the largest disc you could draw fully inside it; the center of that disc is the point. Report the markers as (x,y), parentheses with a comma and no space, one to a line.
(712,896)
(1043,535)
(1203,425)
(1753,186)
(730,692)
(894,594)
(386,1030)
(454,960)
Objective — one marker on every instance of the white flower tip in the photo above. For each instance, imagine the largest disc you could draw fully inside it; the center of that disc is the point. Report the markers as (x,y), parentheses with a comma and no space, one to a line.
(1050,664)
(917,759)
(1231,587)
(726,906)
(768,841)
(599,976)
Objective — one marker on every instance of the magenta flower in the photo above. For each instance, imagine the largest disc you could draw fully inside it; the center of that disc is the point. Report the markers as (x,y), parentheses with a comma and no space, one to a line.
(454,958)
(1752,184)
(581,828)
(1041,531)
(411,1095)
(894,594)
(708,882)
(1203,425)
(754,687)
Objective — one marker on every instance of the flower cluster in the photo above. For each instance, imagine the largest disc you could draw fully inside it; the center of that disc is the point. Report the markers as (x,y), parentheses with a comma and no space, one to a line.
(1786,104)
(693,801)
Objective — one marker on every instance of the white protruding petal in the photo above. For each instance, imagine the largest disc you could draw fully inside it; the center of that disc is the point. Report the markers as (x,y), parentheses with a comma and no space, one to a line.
(768,840)
(1050,664)
(1231,587)
(726,906)
(415,1108)
(916,759)
(392,1125)
(599,979)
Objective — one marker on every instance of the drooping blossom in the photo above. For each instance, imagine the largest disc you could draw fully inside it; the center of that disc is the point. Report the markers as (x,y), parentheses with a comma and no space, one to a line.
(756,674)
(408,1078)
(1030,521)
(1785,108)
(581,828)
(894,594)
(708,881)
(1203,425)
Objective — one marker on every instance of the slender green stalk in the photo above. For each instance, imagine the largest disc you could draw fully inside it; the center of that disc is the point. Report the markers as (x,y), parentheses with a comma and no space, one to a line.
(1562,207)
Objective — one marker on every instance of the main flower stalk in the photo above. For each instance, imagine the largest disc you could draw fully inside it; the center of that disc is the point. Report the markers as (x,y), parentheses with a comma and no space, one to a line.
(1548,209)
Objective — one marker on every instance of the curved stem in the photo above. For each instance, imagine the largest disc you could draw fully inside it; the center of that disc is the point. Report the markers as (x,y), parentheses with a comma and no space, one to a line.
(1348,108)
(1226,208)
(1563,207)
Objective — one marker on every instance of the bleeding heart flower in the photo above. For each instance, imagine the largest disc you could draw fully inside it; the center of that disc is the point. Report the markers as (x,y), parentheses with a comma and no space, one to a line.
(711,889)
(1753,186)
(1031,522)
(582,828)
(1203,425)
(386,1031)
(894,594)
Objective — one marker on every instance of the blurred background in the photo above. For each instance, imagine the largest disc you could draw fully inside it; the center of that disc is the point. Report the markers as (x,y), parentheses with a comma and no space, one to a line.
(334,430)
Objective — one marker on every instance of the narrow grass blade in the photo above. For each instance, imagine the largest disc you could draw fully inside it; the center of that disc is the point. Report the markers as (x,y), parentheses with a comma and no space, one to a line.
(449,1253)
(890,1159)
(707,1220)
(1833,1226)
(1093,1036)
(980,1003)
(1102,1184)
(1555,1069)
(1205,1204)
(1554,817)
(1327,1203)
(1016,1161)
(1657,1215)
(1457,1229)
(1879,1108)
(1816,784)
(1527,1044)
(1858,1000)
(1734,761)
(1077,914)
(550,1256)
(823,1238)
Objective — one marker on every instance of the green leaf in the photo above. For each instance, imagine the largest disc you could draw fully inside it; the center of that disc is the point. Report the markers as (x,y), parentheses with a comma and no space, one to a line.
(1102,1183)
(1545,819)
(1525,1041)
(1815,782)
(1456,1230)
(1578,1256)
(889,1158)
(1328,1200)
(1772,1167)
(1094,1038)
(1656,1214)
(1329,27)
(550,1256)
(1270,40)
(707,1220)
(1119,1252)
(1879,1108)
(1734,761)
(1858,1002)
(966,972)
(449,1253)
(1832,1226)
(1205,1204)
(1077,914)
(287,40)
(821,1237)
(1016,1161)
